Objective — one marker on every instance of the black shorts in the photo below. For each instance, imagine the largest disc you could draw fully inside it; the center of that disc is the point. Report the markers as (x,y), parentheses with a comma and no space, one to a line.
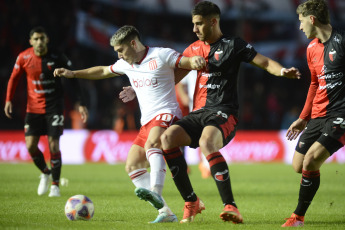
(50,124)
(196,121)
(328,131)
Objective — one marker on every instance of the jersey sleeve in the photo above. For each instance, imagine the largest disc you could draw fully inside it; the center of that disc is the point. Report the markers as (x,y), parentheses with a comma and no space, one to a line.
(118,67)
(170,56)
(314,84)
(17,72)
(244,50)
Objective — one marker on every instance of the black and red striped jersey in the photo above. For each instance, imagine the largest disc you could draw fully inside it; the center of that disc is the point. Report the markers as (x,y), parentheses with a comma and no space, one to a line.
(326,62)
(216,85)
(44,91)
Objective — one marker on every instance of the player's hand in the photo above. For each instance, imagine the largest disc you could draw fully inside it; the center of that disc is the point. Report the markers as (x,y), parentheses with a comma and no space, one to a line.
(197,62)
(8,109)
(62,72)
(295,129)
(127,94)
(83,113)
(292,73)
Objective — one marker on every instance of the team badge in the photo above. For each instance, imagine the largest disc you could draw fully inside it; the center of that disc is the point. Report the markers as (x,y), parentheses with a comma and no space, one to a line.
(153,64)
(332,54)
(222,176)
(217,54)
(50,65)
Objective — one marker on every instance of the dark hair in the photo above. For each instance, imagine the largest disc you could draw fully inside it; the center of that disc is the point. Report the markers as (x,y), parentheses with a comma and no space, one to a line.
(205,9)
(38,29)
(317,8)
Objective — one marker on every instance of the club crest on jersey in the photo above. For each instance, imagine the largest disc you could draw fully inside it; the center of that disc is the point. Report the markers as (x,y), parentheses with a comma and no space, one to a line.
(222,176)
(217,54)
(50,65)
(153,64)
(332,54)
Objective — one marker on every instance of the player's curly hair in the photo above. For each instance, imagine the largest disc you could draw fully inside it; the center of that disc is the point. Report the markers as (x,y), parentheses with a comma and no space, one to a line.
(317,8)
(205,9)
(124,34)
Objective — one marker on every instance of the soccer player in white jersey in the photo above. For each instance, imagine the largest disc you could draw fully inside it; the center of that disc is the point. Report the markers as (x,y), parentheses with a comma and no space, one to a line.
(151,74)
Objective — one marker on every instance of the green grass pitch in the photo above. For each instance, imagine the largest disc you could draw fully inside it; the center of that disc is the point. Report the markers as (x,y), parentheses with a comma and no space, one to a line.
(264,193)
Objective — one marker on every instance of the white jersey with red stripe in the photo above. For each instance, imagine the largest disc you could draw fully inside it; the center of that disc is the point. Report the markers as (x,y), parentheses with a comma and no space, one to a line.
(153,81)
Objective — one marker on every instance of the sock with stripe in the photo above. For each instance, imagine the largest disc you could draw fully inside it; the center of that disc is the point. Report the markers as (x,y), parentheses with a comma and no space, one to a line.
(220,173)
(140,178)
(56,164)
(178,167)
(310,183)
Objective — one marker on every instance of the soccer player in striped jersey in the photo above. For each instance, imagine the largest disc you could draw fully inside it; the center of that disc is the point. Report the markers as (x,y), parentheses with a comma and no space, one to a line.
(151,74)
(323,115)
(212,123)
(45,105)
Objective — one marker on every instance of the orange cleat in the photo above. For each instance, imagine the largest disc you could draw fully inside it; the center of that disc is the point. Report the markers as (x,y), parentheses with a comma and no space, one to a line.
(294,221)
(231,213)
(191,209)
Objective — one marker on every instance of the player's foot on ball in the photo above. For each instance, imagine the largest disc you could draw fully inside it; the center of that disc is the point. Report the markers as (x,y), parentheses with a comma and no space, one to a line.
(54,191)
(294,221)
(44,184)
(191,209)
(164,218)
(231,213)
(153,198)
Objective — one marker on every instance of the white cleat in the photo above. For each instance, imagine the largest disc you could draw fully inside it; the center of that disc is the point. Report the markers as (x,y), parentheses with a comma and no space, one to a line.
(44,184)
(54,191)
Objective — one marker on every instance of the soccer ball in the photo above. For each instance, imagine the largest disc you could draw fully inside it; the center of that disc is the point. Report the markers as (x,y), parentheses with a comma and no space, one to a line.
(79,207)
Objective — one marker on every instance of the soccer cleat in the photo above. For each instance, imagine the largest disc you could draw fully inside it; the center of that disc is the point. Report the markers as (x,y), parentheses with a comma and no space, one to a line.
(231,213)
(153,198)
(191,209)
(164,218)
(54,191)
(294,221)
(44,184)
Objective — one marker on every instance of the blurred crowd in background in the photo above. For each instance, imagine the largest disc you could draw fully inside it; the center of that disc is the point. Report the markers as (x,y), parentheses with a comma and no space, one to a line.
(82,29)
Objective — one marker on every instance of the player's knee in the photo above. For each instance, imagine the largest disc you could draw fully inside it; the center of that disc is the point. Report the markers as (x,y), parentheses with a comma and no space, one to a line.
(165,140)
(150,144)
(297,168)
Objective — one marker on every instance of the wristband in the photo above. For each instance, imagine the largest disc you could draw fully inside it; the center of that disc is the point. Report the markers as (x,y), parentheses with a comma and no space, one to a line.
(281,71)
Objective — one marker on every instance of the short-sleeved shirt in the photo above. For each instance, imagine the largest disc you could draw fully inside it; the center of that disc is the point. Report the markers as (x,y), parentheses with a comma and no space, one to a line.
(326,62)
(216,87)
(153,81)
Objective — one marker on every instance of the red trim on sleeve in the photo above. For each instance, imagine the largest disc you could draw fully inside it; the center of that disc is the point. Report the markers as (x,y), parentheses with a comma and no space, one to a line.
(178,60)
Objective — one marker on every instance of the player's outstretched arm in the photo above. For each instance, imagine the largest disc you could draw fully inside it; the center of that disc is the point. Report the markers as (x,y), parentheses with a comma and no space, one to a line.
(295,129)
(274,67)
(195,63)
(93,73)
(8,109)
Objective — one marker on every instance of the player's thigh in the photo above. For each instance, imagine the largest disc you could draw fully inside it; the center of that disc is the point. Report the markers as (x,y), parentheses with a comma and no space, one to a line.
(175,136)
(32,143)
(153,139)
(136,158)
(211,140)
(315,157)
(297,161)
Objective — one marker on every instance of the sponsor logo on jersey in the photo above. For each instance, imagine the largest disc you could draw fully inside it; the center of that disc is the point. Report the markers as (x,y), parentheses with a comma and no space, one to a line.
(332,54)
(195,47)
(145,82)
(336,39)
(311,45)
(153,64)
(217,54)
(209,86)
(27,56)
(213,74)
(249,46)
